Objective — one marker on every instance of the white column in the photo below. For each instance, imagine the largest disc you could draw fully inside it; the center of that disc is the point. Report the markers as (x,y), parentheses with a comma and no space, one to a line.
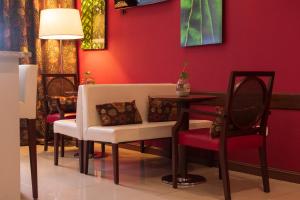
(9,126)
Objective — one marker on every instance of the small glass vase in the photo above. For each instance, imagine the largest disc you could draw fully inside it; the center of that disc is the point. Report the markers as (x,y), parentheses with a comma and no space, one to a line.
(87,79)
(183,87)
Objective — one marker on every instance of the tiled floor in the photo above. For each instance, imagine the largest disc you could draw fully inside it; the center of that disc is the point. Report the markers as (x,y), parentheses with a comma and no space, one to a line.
(139,179)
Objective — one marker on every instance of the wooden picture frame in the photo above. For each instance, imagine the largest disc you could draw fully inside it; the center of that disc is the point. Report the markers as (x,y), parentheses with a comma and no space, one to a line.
(93,24)
(201,22)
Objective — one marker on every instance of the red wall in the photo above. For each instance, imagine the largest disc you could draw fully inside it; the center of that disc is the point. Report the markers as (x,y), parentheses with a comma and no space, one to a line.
(144,47)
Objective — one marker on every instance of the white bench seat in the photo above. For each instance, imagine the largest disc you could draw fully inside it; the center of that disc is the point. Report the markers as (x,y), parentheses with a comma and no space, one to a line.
(67,127)
(137,132)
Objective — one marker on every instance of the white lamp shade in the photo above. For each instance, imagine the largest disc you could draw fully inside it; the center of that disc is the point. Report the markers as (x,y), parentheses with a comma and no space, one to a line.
(60,24)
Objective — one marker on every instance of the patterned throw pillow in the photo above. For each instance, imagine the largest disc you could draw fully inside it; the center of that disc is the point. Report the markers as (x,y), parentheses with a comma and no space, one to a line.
(218,124)
(67,104)
(161,111)
(119,113)
(52,105)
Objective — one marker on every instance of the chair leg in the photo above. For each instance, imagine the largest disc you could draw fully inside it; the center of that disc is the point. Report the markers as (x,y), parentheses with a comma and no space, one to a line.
(62,146)
(32,155)
(170,147)
(115,156)
(77,143)
(91,147)
(142,146)
(220,173)
(103,149)
(86,156)
(174,162)
(46,137)
(211,159)
(225,176)
(264,169)
(80,150)
(56,147)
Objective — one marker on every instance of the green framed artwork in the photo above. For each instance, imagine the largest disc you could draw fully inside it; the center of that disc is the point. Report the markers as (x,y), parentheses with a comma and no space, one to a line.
(93,24)
(201,22)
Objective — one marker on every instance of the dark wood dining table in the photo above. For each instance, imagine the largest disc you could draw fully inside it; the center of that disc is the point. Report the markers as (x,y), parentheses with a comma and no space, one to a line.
(184,179)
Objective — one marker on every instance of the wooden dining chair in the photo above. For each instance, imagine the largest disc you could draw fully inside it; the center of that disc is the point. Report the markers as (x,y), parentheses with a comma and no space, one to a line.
(56,88)
(27,110)
(244,124)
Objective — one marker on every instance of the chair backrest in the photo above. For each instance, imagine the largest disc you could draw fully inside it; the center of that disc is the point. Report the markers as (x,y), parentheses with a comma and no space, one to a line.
(248,101)
(27,91)
(58,85)
(93,95)
(79,114)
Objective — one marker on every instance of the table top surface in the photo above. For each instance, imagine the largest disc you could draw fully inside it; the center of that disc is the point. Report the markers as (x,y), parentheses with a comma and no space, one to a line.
(190,98)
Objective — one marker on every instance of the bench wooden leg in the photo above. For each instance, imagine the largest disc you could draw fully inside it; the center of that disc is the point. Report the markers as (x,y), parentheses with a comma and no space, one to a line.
(86,157)
(80,150)
(142,146)
(91,147)
(32,155)
(115,156)
(56,147)
(103,149)
(76,143)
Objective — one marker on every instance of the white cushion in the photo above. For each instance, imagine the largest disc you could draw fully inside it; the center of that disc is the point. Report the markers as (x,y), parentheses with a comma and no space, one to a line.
(135,132)
(27,91)
(67,127)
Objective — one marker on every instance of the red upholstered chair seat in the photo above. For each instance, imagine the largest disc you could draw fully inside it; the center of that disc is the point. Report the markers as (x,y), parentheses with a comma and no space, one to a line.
(200,138)
(56,116)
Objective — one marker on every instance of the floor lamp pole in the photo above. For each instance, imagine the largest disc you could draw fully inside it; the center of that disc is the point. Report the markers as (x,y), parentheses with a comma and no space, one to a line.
(61,50)
(61,56)
(61,62)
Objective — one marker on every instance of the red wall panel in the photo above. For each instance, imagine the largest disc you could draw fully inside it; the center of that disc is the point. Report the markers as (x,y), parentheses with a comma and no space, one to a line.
(144,47)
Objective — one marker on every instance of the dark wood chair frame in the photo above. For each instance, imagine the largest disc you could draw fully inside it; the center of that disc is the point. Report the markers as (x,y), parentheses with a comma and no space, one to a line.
(46,84)
(223,161)
(31,130)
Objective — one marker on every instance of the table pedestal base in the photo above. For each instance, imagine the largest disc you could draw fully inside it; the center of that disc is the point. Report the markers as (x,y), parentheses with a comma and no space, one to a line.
(189,180)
